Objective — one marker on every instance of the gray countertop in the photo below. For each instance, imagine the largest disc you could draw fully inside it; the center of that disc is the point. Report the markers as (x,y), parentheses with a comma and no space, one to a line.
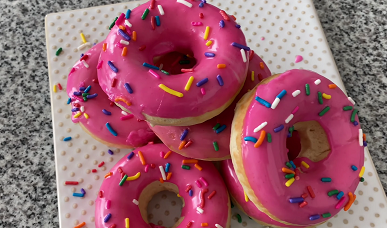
(355,29)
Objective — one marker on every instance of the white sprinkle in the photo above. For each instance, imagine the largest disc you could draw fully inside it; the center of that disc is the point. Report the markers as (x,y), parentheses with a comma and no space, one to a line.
(243,53)
(296,93)
(351,100)
(199,210)
(290,117)
(76,101)
(124,42)
(185,3)
(85,63)
(275,103)
(124,113)
(318,81)
(82,108)
(83,46)
(161,10)
(161,66)
(162,172)
(128,23)
(135,201)
(218,226)
(262,125)
(360,137)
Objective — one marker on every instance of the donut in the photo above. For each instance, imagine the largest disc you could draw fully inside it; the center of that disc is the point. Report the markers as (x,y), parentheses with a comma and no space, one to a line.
(95,113)
(322,178)
(210,140)
(157,28)
(136,178)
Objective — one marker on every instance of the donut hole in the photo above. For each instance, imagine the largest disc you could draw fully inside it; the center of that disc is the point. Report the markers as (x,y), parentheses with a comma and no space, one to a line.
(293,144)
(173,62)
(160,205)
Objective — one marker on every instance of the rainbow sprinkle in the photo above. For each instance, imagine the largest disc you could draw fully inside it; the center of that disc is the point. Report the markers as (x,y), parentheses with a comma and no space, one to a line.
(170,91)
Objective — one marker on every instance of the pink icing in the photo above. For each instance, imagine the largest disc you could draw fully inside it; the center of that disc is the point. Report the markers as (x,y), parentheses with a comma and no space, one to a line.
(132,135)
(215,210)
(263,164)
(175,33)
(202,135)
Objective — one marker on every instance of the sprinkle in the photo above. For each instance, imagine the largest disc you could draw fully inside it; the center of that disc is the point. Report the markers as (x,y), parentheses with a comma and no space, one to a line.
(201,5)
(169,176)
(260,127)
(260,139)
(150,66)
(333,192)
(165,72)
(108,174)
(326,96)
(181,145)
(145,14)
(186,167)
(212,194)
(111,129)
(237,26)
(296,93)
(279,128)
(362,171)
(153,23)
(85,64)
(78,194)
(107,217)
(123,180)
(332,86)
(240,46)
(170,91)
(201,15)
(347,108)
(289,182)
(239,218)
(83,38)
(204,224)
(54,89)
(220,129)
(224,15)
(128,88)
(362,179)
(252,76)
(220,80)
(126,222)
(354,168)
(202,82)
(130,155)
(221,66)
(289,165)
(113,23)
(326,179)
(311,192)
(57,53)
(288,176)
(341,194)
(190,193)
(218,226)
(290,117)
(307,89)
(134,177)
(243,53)
(167,154)
(101,164)
(306,165)
(303,204)
(209,54)
(184,134)
(320,98)
(317,82)
(162,172)
(80,225)
(67,139)
(100,194)
(69,100)
(246,197)
(190,161)
(351,100)
(340,203)
(110,152)
(142,159)
(189,83)
(152,72)
(198,167)
(120,19)
(325,110)
(127,15)
(353,116)
(360,137)
(123,34)
(326,215)
(296,200)
(350,201)
(106,112)
(221,24)
(209,43)
(127,23)
(185,3)
(286,170)
(250,139)
(293,165)
(314,217)
(111,65)
(269,137)
(198,208)
(158,22)
(203,91)
(216,147)
(161,10)
(263,102)
(206,33)
(204,181)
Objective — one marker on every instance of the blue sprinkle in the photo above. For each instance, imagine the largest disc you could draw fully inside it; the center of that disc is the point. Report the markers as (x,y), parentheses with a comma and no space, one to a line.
(326,179)
(69,100)
(250,139)
(67,139)
(111,65)
(106,112)
(209,54)
(150,66)
(263,102)
(204,1)
(82,88)
(190,192)
(111,129)
(75,109)
(91,96)
(296,200)
(82,55)
(185,133)
(220,80)
(158,23)
(202,82)
(355,123)
(123,34)
(128,88)
(240,46)
(130,155)
(293,165)
(127,15)
(354,168)
(110,152)
(201,5)
(364,143)
(220,129)
(279,128)
(314,217)
(107,217)
(289,135)
(221,24)
(341,194)
(78,194)
(87,89)
(77,93)
(237,26)
(281,94)
(83,191)
(167,167)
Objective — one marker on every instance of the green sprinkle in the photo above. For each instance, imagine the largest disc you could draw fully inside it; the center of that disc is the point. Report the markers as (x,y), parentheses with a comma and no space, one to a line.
(307,89)
(123,180)
(216,126)
(289,165)
(232,205)
(84,98)
(347,108)
(288,176)
(184,62)
(333,192)
(85,94)
(268,137)
(291,129)
(239,218)
(326,179)
(112,24)
(325,110)
(146,12)
(216,147)
(362,179)
(354,112)
(57,53)
(326,215)
(186,167)
(320,99)
(165,72)
(250,218)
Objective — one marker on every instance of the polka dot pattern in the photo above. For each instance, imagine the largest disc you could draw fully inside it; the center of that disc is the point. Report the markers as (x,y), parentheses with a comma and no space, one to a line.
(277,30)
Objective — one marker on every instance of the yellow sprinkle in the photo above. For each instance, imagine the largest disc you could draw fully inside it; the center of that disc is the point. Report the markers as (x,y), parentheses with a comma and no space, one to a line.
(189,83)
(252,76)
(326,96)
(134,35)
(135,177)
(362,171)
(289,182)
(86,116)
(83,38)
(306,165)
(178,195)
(54,88)
(77,115)
(209,43)
(246,197)
(127,223)
(170,91)
(206,33)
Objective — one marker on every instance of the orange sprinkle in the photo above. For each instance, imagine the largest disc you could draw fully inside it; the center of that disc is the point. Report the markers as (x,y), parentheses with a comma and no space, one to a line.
(262,65)
(204,224)
(260,139)
(190,161)
(198,167)
(142,159)
(134,35)
(221,66)
(169,176)
(332,86)
(182,144)
(364,137)
(104,46)
(123,100)
(286,170)
(167,154)
(233,17)
(122,27)
(80,225)
(350,202)
(108,174)
(124,51)
(161,180)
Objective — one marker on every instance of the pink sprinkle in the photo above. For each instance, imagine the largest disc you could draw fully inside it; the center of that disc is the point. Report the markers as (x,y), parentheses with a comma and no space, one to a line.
(198,184)
(108,204)
(204,181)
(154,74)
(128,30)
(262,38)
(130,116)
(203,91)
(295,110)
(146,168)
(118,44)
(72,70)
(299,58)
(196,23)
(120,19)
(340,203)
(162,154)
(99,65)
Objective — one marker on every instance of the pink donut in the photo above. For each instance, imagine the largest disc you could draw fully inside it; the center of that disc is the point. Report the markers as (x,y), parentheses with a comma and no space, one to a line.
(160,27)
(210,140)
(318,183)
(132,182)
(96,113)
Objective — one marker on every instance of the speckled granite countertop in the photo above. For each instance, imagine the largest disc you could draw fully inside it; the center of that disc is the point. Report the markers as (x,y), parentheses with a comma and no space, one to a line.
(356,31)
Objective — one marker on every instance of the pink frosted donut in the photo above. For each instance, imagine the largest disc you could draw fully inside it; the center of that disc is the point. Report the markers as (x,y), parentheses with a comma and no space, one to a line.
(210,140)
(160,27)
(95,112)
(136,178)
(321,180)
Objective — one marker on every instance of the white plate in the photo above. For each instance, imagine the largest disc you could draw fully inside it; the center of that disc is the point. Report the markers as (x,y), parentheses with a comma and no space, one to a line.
(277,30)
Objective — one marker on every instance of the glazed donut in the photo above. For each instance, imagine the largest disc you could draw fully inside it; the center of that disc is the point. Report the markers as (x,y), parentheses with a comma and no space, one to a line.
(164,26)
(95,113)
(136,178)
(210,140)
(322,179)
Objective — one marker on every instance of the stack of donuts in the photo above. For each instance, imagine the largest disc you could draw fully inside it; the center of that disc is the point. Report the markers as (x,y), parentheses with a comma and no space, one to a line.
(176,81)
